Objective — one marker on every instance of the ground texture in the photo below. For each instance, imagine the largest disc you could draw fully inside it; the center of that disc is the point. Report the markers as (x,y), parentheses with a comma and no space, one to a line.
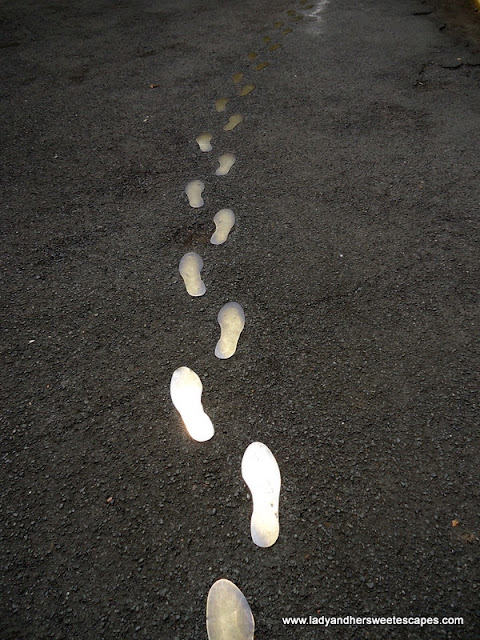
(355,258)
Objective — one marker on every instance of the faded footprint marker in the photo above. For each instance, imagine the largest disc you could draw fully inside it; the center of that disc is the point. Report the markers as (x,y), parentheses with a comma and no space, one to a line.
(248,88)
(221,104)
(274,47)
(252,55)
(190,266)
(231,319)
(262,475)
(186,393)
(237,77)
(226,161)
(233,121)
(203,141)
(262,65)
(224,221)
(194,191)
(229,616)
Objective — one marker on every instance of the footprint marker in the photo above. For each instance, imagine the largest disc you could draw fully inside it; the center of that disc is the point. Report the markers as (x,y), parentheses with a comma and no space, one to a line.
(186,393)
(229,616)
(252,55)
(262,65)
(278,25)
(262,475)
(231,319)
(267,39)
(194,191)
(285,32)
(224,221)
(237,77)
(190,266)
(203,141)
(221,104)
(233,121)
(226,161)
(274,47)
(248,88)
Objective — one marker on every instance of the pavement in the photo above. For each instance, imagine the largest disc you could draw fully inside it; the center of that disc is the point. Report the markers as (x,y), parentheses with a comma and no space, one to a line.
(355,259)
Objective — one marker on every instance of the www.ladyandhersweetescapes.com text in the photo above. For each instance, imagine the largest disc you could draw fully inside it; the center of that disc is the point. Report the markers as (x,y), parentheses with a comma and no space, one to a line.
(419,621)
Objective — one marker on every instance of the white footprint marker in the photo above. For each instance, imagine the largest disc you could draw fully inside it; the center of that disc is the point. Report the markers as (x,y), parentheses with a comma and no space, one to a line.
(203,141)
(231,319)
(186,393)
(194,193)
(190,266)
(224,221)
(262,475)
(229,616)
(226,161)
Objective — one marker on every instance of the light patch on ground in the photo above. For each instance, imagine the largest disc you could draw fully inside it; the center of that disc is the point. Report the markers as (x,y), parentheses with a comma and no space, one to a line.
(317,10)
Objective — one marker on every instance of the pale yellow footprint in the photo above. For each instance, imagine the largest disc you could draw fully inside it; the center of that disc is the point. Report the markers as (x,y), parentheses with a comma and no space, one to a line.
(252,55)
(226,161)
(221,104)
(231,319)
(203,141)
(262,65)
(229,616)
(190,266)
(233,121)
(285,32)
(194,191)
(274,47)
(278,25)
(186,393)
(245,90)
(267,39)
(237,77)
(224,221)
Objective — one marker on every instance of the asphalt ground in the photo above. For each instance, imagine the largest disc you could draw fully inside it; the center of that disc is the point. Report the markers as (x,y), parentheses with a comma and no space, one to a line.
(355,258)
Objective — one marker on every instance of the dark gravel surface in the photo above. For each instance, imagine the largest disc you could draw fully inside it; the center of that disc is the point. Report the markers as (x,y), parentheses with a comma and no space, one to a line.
(355,257)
